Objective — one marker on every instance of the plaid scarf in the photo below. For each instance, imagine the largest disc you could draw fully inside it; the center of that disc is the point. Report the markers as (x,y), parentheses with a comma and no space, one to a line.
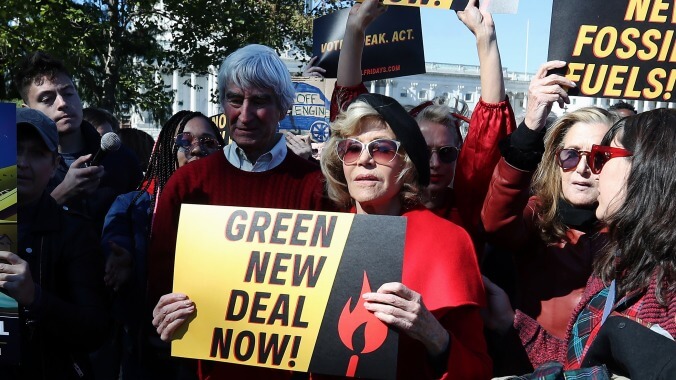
(588,323)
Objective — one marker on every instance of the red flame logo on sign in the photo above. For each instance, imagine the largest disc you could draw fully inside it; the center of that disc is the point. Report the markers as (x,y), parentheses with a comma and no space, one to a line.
(375,331)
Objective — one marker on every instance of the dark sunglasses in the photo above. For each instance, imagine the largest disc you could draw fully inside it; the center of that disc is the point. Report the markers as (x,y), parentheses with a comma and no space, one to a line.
(568,159)
(600,154)
(446,154)
(382,150)
(186,141)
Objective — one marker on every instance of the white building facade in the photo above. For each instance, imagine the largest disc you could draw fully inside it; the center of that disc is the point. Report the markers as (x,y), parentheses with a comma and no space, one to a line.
(449,81)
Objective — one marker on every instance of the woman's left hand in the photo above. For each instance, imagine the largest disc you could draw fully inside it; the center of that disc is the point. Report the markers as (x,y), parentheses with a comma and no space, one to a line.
(400,307)
(479,22)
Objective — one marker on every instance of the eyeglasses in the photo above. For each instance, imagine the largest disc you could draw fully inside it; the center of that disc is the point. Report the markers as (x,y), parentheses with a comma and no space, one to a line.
(382,150)
(186,141)
(568,159)
(446,154)
(600,154)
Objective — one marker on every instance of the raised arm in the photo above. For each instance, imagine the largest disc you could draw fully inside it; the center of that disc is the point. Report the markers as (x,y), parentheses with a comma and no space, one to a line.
(492,120)
(480,23)
(349,61)
(349,82)
(507,216)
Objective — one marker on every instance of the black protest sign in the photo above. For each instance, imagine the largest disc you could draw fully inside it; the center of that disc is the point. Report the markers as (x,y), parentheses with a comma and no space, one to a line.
(616,48)
(393,45)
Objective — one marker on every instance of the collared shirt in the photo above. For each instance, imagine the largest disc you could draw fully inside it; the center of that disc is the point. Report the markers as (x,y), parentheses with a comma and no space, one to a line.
(267,161)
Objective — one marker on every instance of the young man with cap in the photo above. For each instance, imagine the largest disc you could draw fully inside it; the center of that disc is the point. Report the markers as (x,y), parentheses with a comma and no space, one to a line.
(45,85)
(57,274)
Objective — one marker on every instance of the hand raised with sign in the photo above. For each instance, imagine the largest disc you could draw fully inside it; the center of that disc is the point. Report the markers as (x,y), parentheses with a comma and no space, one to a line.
(299,145)
(479,22)
(362,14)
(544,90)
(402,308)
(170,313)
(349,61)
(310,70)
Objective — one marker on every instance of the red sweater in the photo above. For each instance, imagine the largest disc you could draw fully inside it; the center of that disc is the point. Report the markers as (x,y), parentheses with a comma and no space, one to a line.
(294,184)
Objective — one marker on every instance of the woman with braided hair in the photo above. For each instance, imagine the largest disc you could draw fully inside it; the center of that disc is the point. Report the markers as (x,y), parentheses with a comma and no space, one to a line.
(187,136)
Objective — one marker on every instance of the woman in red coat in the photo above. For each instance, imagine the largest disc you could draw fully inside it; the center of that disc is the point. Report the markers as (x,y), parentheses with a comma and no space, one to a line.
(376,162)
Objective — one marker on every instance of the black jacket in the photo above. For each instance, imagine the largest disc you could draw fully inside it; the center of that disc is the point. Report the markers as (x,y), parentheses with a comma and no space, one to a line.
(122,175)
(69,316)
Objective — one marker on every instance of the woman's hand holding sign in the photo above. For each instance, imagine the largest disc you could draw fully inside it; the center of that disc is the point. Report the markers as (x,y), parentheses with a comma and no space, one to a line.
(170,313)
(400,307)
(544,90)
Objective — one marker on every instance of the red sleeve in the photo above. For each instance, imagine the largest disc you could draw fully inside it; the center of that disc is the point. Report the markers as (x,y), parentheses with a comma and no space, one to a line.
(540,346)
(507,215)
(490,123)
(468,356)
(342,97)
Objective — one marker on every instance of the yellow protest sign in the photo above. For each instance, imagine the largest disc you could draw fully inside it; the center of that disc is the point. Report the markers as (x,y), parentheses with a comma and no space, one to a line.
(262,280)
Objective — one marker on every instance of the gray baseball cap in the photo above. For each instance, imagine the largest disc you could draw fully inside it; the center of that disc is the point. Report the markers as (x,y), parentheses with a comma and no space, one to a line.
(42,124)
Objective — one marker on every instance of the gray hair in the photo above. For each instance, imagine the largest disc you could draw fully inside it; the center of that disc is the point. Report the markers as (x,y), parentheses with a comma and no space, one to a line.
(257,66)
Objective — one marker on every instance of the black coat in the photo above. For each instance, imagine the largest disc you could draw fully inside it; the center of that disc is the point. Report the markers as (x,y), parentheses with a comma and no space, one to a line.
(70,314)
(122,174)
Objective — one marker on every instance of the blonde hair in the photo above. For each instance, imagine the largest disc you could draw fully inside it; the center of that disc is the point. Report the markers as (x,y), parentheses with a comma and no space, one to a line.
(546,183)
(350,123)
(441,114)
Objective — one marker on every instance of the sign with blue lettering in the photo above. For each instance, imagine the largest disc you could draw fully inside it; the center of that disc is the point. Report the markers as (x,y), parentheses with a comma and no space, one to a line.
(309,113)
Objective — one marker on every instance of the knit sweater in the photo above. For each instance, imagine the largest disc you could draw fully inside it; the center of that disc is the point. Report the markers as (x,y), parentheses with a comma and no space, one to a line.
(294,184)
(543,347)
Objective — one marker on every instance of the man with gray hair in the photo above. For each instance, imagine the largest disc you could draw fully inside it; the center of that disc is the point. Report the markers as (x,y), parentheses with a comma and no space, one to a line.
(255,170)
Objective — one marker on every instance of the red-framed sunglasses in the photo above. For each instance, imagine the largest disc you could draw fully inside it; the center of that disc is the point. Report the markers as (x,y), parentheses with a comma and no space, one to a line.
(601,154)
(568,159)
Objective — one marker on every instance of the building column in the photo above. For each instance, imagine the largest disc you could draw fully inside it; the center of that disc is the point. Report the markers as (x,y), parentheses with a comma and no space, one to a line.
(193,92)
(174,89)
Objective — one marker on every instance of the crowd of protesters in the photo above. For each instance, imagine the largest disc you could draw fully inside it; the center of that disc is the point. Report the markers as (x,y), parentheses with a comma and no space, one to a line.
(580,206)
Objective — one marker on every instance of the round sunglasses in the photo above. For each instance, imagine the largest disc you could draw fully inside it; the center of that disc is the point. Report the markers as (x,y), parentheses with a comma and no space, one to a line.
(186,140)
(447,154)
(568,159)
(382,151)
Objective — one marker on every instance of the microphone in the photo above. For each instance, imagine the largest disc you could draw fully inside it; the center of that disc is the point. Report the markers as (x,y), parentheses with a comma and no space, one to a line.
(110,142)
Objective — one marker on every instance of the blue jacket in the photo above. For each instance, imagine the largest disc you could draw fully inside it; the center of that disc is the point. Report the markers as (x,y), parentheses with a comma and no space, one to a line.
(128,226)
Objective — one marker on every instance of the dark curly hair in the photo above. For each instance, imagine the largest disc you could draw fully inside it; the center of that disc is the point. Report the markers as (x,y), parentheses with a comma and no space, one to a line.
(641,232)
(163,162)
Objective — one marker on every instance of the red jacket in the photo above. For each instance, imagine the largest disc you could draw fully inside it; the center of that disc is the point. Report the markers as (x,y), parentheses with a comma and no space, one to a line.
(551,277)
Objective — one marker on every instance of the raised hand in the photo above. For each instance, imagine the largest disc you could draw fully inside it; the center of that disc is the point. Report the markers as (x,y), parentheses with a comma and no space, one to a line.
(310,70)
(544,90)
(479,22)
